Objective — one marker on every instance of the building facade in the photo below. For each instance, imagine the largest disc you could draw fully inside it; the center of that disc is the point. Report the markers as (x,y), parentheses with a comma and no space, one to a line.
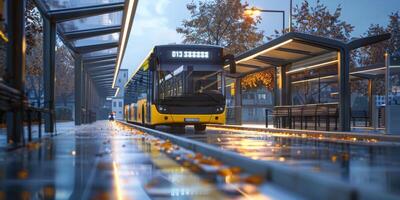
(118,99)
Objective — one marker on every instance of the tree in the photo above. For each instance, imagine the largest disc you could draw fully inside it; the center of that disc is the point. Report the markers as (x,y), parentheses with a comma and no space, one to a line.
(34,51)
(374,54)
(264,78)
(394,29)
(64,87)
(221,22)
(318,20)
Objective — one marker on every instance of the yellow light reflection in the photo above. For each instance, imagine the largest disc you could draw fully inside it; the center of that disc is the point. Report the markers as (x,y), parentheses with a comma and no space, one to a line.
(117,182)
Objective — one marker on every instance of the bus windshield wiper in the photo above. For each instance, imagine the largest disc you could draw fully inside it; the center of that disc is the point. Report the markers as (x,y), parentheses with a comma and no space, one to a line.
(209,95)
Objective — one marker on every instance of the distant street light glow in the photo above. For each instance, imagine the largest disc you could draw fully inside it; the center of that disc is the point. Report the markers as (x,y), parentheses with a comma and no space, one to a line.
(252,12)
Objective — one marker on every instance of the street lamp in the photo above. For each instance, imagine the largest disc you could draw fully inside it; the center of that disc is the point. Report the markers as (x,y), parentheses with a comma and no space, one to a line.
(253,11)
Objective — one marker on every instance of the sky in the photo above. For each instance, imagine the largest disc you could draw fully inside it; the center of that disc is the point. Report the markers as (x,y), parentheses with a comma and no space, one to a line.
(156,21)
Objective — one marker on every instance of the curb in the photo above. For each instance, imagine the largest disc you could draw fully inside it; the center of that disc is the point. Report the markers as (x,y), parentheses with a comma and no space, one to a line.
(307,184)
(327,134)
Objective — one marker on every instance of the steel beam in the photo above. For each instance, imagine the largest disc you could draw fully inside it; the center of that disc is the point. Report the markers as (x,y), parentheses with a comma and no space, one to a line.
(78,90)
(101,63)
(80,34)
(100,68)
(96,47)
(67,14)
(103,72)
(16,67)
(49,44)
(99,58)
(101,77)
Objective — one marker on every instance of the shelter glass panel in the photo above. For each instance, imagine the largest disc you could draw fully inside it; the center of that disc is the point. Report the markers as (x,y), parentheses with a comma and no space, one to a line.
(63,4)
(101,53)
(97,40)
(314,86)
(98,21)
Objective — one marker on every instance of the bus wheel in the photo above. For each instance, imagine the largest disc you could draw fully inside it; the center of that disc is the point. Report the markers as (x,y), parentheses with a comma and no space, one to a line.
(199,127)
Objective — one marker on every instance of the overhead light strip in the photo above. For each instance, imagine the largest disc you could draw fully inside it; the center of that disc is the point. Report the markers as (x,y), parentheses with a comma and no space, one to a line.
(116,92)
(312,66)
(314,79)
(368,70)
(124,33)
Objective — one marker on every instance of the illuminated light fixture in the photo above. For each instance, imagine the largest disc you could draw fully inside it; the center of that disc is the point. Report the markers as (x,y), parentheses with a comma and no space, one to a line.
(116,92)
(262,52)
(314,79)
(312,66)
(125,36)
(368,70)
(3,36)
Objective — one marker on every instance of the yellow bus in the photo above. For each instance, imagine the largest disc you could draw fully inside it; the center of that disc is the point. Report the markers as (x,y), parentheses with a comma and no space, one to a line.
(178,85)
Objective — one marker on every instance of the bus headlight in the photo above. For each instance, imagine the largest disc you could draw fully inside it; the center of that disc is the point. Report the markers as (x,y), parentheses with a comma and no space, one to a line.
(162,108)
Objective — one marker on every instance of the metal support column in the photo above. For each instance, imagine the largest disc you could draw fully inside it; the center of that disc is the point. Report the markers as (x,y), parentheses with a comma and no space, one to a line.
(78,90)
(86,97)
(49,44)
(84,83)
(370,100)
(238,101)
(283,86)
(344,89)
(16,66)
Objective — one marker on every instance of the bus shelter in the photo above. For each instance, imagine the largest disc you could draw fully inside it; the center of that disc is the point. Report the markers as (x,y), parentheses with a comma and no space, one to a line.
(96,33)
(311,79)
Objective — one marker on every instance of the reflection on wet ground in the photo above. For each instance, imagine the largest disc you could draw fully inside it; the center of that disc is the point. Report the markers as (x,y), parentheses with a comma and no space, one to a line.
(106,161)
(372,163)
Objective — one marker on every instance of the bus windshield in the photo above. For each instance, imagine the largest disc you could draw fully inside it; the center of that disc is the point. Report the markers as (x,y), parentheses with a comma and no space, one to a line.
(198,84)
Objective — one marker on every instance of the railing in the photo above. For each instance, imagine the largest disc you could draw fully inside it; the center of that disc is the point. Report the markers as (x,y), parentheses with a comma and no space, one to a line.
(11,100)
(295,116)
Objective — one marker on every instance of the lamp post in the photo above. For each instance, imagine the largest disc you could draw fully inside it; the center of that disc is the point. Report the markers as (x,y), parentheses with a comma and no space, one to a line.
(253,11)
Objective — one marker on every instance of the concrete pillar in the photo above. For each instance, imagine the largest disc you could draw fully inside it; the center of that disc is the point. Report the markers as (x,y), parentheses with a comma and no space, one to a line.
(15,70)
(78,90)
(49,44)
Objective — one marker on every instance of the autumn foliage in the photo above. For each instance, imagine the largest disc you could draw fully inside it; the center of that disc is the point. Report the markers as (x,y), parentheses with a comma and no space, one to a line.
(260,79)
(222,23)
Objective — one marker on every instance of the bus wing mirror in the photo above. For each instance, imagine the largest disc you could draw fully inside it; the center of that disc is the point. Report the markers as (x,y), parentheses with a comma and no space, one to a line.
(230,59)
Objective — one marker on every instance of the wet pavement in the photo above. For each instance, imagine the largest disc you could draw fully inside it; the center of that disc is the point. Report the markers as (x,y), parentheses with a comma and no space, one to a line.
(107,161)
(369,164)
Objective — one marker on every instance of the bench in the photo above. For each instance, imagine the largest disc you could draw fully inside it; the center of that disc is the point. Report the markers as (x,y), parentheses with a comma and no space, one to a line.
(11,100)
(303,114)
(359,114)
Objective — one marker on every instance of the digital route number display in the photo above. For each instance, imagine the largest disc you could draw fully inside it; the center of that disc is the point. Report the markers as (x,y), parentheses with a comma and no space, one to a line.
(190,54)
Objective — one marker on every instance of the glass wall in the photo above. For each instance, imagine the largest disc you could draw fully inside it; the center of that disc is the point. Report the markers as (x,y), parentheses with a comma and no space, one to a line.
(254,103)
(314,83)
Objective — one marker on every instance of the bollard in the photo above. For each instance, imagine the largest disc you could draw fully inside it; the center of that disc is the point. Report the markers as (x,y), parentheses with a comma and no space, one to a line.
(266,118)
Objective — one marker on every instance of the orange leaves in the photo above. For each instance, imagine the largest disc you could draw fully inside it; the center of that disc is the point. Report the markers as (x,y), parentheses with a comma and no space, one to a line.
(229,171)
(254,179)
(264,78)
